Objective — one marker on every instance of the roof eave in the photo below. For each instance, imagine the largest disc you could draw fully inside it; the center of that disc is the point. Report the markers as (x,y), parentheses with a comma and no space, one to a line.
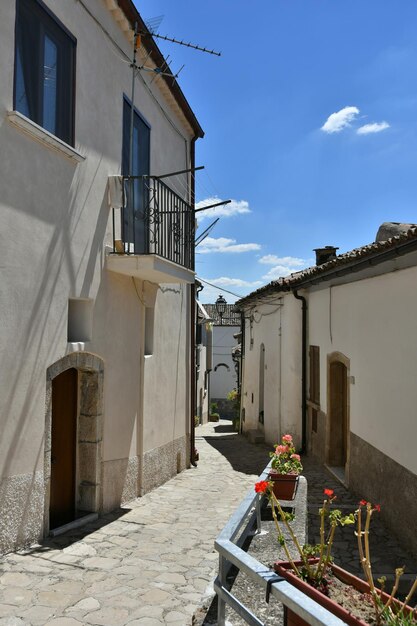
(335,270)
(133,15)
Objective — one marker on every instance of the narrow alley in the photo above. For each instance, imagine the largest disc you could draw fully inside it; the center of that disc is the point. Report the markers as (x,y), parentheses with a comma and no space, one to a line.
(153,562)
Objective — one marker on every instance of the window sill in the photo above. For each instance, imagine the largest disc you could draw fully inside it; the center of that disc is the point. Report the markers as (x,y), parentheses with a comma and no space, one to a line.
(43,136)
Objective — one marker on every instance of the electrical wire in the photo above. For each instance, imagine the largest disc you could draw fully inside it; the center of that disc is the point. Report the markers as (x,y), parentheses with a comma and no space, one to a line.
(220,288)
(137,292)
(129,61)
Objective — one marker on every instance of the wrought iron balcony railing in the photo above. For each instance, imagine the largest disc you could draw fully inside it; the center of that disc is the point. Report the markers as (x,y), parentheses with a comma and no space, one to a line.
(152,219)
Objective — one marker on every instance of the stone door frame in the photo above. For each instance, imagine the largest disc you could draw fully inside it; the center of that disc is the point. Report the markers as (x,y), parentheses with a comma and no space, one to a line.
(90,368)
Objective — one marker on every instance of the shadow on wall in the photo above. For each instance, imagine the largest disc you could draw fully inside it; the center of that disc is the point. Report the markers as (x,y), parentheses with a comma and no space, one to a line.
(35,299)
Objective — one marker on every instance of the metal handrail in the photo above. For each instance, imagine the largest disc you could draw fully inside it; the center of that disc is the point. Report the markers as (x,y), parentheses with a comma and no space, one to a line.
(231,553)
(153,219)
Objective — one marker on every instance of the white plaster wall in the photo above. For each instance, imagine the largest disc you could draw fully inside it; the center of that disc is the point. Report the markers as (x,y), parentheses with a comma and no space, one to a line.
(291,359)
(374,324)
(278,326)
(166,373)
(54,224)
(222,381)
(201,391)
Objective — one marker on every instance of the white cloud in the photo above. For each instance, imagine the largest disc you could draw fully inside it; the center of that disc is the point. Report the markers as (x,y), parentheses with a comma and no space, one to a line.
(376,127)
(235,207)
(282,266)
(279,271)
(225,281)
(222,244)
(238,285)
(340,120)
(288,261)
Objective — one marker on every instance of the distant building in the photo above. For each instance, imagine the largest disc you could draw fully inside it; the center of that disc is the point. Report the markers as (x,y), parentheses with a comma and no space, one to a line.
(223,378)
(204,362)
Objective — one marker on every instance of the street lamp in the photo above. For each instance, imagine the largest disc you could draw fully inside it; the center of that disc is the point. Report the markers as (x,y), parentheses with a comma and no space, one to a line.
(221,307)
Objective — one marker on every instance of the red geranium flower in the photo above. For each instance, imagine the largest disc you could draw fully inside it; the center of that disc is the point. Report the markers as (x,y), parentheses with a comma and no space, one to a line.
(261,486)
(377,507)
(363,503)
(328,492)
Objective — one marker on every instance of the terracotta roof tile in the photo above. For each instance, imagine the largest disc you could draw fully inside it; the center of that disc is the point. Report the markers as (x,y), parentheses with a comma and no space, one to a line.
(348,258)
(230,317)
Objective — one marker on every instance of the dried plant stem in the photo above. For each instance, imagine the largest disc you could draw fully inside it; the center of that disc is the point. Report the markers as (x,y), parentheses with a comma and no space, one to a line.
(284,545)
(328,552)
(411,592)
(394,590)
(367,551)
(294,539)
(364,555)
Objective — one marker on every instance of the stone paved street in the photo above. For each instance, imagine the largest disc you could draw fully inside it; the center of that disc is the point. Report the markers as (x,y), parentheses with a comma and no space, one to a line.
(149,563)
(153,561)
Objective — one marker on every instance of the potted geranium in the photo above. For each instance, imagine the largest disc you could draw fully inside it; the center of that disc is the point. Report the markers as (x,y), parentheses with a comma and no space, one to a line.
(357,602)
(285,468)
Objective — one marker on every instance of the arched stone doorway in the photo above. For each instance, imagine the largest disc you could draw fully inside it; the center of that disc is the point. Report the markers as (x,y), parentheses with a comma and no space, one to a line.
(338,414)
(73,438)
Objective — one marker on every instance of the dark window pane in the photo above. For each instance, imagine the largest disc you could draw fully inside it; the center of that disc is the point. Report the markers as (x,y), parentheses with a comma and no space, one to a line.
(49,85)
(44,68)
(135,219)
(22,104)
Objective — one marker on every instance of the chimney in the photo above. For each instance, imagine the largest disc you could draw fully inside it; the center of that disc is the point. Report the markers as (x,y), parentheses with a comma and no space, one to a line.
(328,253)
(392,229)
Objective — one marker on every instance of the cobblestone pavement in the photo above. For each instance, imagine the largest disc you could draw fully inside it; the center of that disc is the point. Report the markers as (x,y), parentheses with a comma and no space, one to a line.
(153,562)
(149,563)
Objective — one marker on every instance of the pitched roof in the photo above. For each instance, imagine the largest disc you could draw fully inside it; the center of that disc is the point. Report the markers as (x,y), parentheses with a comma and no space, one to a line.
(346,263)
(231,317)
(157,57)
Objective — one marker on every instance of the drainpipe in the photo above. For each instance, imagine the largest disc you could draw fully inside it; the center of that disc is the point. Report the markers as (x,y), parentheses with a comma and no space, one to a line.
(303,372)
(193,381)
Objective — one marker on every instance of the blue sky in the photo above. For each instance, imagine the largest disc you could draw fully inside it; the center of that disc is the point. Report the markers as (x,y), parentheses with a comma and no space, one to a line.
(299,176)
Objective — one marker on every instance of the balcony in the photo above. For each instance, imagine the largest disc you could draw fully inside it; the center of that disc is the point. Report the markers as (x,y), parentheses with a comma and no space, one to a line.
(153,231)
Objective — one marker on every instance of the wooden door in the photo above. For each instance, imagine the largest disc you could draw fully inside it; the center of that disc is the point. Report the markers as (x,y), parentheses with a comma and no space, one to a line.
(63,448)
(338,415)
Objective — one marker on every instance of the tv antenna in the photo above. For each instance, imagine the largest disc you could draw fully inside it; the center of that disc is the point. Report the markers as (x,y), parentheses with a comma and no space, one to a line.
(205,232)
(154,23)
(152,26)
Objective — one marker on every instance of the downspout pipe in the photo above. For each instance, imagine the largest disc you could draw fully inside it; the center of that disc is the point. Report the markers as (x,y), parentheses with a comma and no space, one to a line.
(303,371)
(242,356)
(193,377)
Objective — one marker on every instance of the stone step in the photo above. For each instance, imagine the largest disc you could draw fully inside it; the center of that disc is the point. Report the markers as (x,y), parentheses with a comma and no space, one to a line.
(255,436)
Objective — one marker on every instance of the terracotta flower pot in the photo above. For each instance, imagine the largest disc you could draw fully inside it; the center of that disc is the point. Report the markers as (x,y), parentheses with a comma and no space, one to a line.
(292,619)
(284,486)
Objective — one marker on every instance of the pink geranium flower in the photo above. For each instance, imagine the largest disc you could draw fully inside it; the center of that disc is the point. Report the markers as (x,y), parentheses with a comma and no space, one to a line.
(281,449)
(287,438)
(295,456)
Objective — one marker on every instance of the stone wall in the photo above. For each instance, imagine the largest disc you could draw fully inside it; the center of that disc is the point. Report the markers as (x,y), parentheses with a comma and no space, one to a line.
(120,482)
(377,478)
(21,511)
(161,464)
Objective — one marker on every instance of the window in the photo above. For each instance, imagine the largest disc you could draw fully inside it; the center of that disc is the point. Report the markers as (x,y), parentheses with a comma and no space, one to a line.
(44,70)
(149,330)
(314,384)
(138,139)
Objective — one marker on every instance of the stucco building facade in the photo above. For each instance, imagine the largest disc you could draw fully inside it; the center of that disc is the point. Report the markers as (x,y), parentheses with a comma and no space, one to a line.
(96,334)
(332,348)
